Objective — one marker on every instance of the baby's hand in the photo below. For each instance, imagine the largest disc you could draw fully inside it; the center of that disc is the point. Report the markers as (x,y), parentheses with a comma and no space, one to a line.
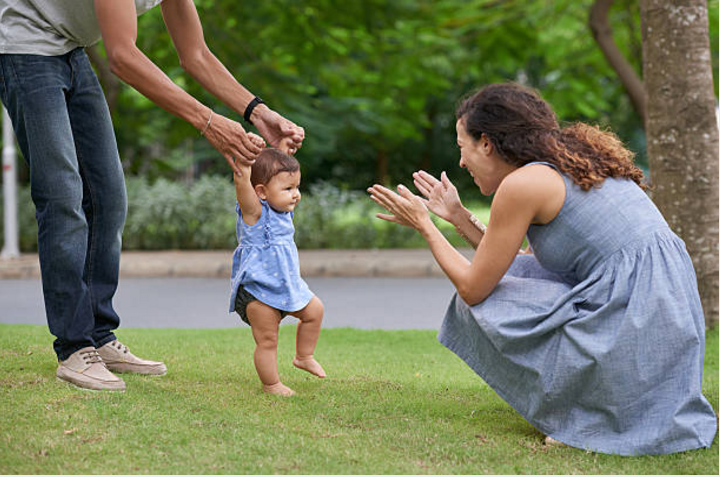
(257,140)
(286,145)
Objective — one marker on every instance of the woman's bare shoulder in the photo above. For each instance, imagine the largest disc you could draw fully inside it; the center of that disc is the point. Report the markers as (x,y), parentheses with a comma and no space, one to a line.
(537,188)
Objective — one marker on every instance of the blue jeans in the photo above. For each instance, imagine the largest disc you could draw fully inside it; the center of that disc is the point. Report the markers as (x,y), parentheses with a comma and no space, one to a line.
(64,130)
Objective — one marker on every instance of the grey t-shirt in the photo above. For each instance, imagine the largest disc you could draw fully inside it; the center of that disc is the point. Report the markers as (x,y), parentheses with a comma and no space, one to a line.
(51,27)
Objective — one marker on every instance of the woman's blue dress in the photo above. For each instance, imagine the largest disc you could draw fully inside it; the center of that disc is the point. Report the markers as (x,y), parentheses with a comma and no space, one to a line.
(597,338)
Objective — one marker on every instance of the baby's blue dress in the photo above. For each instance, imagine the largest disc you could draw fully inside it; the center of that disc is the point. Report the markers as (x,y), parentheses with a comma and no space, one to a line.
(598,338)
(266,261)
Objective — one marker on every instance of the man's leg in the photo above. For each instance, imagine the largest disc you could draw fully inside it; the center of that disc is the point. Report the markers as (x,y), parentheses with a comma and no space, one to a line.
(105,207)
(35,90)
(104,196)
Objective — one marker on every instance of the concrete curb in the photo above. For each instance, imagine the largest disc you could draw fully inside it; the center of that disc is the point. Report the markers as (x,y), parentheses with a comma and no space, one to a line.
(217,264)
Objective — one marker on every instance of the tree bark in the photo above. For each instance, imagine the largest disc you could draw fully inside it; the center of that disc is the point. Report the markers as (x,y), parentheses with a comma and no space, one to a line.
(600,27)
(682,131)
(109,82)
(381,167)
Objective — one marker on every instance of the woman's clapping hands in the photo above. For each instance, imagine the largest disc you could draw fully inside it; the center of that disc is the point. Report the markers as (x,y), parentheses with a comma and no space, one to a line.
(442,197)
(405,208)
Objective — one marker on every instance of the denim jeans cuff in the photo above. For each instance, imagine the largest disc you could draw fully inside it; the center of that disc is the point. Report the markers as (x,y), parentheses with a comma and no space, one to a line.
(106,340)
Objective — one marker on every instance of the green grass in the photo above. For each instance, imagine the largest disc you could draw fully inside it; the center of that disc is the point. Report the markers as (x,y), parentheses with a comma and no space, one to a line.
(395,402)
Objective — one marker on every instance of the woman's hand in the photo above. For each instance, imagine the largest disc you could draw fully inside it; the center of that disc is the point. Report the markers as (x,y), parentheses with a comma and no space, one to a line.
(278,131)
(229,137)
(405,208)
(441,195)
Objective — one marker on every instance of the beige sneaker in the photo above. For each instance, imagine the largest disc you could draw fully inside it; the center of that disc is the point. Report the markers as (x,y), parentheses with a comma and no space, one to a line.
(119,359)
(85,369)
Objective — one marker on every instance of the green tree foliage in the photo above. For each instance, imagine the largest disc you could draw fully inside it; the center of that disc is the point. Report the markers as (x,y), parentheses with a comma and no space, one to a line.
(375,82)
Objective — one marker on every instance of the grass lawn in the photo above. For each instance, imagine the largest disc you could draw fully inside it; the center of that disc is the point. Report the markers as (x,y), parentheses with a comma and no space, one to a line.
(395,402)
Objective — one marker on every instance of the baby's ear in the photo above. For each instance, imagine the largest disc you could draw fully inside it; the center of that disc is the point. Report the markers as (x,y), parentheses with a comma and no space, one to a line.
(260,191)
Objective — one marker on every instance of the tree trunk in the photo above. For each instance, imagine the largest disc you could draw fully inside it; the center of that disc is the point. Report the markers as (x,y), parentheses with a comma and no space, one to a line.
(600,27)
(682,131)
(381,167)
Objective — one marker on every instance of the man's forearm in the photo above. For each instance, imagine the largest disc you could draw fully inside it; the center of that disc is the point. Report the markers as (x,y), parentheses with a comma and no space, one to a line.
(215,78)
(136,69)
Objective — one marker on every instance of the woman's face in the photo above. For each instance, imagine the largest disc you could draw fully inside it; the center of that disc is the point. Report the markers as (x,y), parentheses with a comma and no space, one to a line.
(480,159)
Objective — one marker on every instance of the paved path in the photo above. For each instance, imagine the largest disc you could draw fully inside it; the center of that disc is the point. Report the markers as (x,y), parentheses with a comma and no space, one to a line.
(216,264)
(172,302)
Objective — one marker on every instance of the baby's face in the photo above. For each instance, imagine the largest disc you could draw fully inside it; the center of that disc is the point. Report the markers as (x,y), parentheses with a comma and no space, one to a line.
(283,191)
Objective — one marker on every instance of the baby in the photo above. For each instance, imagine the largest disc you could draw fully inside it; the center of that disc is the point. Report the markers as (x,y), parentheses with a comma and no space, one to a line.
(266,281)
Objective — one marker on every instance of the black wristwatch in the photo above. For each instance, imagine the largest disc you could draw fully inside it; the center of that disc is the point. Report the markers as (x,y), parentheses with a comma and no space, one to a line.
(251,105)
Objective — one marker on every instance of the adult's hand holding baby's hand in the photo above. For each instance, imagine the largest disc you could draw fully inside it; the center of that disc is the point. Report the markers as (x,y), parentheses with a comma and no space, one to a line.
(287,145)
(257,140)
(231,140)
(277,129)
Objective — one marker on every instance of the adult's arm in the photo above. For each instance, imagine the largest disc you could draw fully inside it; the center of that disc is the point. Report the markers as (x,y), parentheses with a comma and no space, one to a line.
(185,28)
(118,24)
(528,195)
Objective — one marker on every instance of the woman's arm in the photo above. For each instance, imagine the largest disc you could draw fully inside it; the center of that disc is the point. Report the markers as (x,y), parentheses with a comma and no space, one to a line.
(511,213)
(469,227)
(474,280)
(525,196)
(118,24)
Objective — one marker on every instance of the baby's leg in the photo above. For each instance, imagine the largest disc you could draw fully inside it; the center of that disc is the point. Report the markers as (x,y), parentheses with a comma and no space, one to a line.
(265,321)
(308,332)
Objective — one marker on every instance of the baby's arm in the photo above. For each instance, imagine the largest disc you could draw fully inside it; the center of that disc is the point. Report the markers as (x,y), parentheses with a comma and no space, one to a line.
(247,198)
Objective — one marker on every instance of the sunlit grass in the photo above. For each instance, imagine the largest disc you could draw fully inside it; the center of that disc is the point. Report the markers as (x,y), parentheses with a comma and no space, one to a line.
(395,402)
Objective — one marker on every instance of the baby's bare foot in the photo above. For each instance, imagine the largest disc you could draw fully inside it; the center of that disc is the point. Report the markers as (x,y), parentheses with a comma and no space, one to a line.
(278,389)
(310,365)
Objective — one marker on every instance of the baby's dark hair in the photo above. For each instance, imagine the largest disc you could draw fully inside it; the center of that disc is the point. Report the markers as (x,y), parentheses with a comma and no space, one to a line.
(271,162)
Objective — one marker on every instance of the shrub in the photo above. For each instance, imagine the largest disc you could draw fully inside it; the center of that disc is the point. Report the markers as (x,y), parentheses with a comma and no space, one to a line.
(173,215)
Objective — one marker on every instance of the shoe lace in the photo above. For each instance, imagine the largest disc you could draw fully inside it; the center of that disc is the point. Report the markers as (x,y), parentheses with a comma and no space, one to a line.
(121,347)
(91,356)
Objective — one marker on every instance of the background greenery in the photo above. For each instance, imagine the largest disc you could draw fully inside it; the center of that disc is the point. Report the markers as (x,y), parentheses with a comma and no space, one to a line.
(416,410)
(175,215)
(374,83)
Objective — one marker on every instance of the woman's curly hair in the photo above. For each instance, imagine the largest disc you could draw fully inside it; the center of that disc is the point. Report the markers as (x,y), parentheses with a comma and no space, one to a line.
(523,128)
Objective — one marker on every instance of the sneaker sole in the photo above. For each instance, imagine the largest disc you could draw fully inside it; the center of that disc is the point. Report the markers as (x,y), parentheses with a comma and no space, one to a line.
(89,389)
(122,370)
